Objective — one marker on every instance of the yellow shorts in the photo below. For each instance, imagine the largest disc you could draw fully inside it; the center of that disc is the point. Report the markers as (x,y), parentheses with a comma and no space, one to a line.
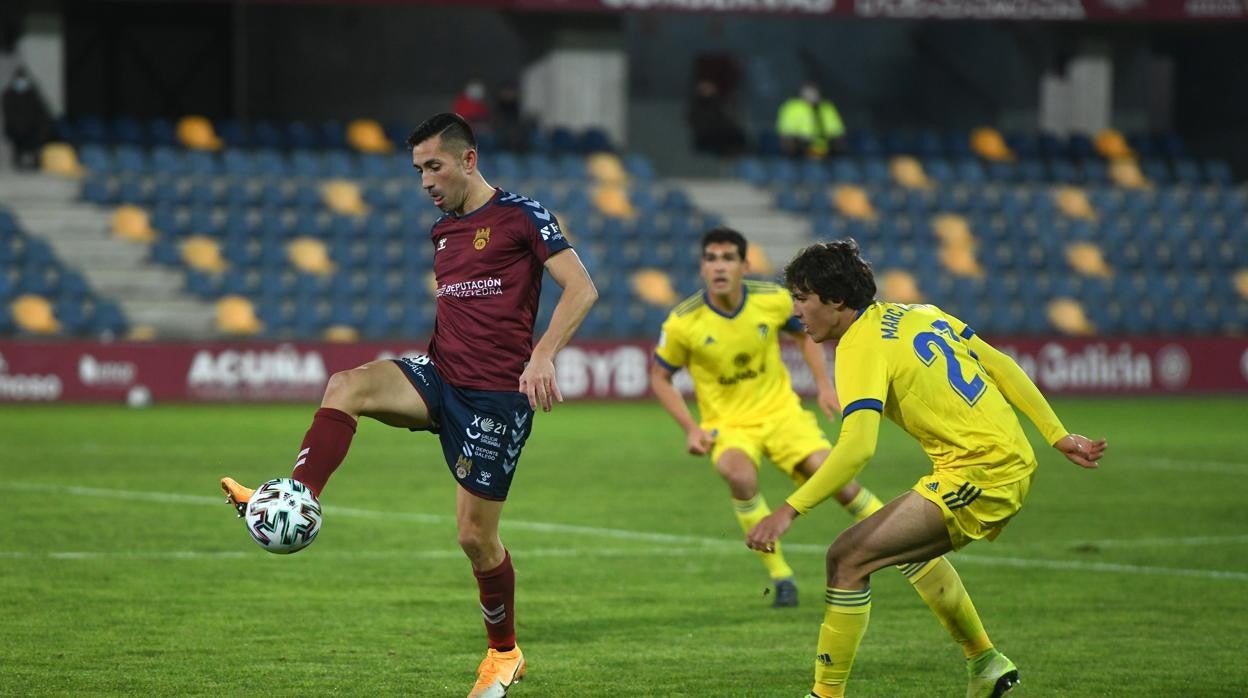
(972,513)
(788,439)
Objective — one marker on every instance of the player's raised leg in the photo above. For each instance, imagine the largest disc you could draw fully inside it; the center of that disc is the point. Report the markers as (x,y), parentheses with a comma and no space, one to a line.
(740,473)
(477,521)
(378,389)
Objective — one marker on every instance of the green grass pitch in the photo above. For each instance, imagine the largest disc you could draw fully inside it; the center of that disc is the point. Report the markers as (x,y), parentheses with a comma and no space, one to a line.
(123,572)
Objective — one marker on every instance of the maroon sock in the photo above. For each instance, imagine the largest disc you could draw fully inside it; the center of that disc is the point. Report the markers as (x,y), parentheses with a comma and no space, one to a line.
(323,447)
(498,603)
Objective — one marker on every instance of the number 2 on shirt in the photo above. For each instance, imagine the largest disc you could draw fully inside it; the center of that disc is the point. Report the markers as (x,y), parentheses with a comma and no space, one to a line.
(924,342)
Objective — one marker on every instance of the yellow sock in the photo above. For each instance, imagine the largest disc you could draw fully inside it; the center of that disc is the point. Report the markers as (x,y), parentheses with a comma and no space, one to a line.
(844,622)
(864,504)
(941,587)
(750,512)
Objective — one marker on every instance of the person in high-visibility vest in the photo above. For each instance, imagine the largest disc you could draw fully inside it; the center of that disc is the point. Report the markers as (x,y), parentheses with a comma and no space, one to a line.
(809,124)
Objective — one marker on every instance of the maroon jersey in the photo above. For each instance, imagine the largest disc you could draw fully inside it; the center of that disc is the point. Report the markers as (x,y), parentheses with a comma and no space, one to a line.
(489,266)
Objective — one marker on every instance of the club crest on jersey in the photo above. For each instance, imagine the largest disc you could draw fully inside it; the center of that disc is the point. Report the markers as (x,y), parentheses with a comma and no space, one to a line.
(481,240)
(762,330)
(463,466)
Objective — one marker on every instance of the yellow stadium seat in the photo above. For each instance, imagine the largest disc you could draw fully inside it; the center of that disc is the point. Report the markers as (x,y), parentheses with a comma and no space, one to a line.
(908,172)
(60,159)
(196,132)
(202,253)
(237,316)
(612,200)
(606,168)
(310,255)
(1111,145)
(952,229)
(1241,282)
(1067,315)
(1086,258)
(341,333)
(1125,172)
(990,145)
(654,287)
(131,223)
(852,201)
(960,261)
(431,284)
(33,313)
(343,196)
(900,287)
(1073,202)
(760,265)
(367,136)
(141,333)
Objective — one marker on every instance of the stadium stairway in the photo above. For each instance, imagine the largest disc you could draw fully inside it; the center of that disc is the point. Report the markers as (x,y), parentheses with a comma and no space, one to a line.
(48,208)
(748,209)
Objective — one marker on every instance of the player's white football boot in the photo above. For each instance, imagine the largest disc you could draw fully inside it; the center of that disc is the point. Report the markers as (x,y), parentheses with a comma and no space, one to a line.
(236,495)
(996,680)
(498,672)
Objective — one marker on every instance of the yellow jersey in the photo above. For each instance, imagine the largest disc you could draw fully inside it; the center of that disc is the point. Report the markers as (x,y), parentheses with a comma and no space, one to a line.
(915,364)
(733,358)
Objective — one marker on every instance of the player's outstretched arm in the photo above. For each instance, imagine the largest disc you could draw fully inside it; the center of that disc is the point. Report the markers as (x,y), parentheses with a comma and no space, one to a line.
(1081,450)
(578,296)
(698,441)
(1018,388)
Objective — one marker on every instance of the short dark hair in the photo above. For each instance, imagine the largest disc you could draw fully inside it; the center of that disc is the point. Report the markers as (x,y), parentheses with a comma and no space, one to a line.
(725,234)
(835,271)
(456,133)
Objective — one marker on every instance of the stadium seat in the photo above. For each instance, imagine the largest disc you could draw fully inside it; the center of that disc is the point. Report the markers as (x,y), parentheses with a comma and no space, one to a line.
(131,223)
(202,253)
(852,201)
(987,143)
(654,287)
(1111,145)
(310,255)
(899,286)
(908,172)
(1073,202)
(613,201)
(196,132)
(1067,316)
(236,315)
(343,196)
(59,159)
(33,314)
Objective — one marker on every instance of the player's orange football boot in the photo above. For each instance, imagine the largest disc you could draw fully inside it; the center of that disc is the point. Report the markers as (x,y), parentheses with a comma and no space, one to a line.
(236,495)
(498,672)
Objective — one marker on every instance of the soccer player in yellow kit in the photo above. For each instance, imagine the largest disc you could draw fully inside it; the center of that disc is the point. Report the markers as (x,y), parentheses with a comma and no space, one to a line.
(944,385)
(728,338)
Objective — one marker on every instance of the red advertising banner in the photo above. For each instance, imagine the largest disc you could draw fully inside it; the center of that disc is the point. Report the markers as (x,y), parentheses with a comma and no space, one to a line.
(1052,10)
(297,372)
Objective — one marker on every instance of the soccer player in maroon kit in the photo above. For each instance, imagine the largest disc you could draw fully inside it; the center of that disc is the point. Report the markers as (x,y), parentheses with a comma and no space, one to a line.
(483,377)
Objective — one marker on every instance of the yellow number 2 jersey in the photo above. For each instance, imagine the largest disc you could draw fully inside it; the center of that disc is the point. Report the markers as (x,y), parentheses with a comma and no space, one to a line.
(734,359)
(914,363)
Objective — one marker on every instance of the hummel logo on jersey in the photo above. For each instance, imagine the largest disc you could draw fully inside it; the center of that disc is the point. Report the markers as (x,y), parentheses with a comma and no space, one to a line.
(933,486)
(441,243)
(709,341)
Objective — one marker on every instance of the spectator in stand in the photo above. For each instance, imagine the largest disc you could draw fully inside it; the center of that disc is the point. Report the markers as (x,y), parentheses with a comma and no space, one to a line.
(471,105)
(809,124)
(716,129)
(27,119)
(510,124)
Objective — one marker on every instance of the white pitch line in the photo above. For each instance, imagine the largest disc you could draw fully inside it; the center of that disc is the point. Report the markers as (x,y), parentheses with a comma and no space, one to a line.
(696,544)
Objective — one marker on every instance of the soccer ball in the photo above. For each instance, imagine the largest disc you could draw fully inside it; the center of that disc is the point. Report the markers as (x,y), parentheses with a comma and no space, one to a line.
(283,516)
